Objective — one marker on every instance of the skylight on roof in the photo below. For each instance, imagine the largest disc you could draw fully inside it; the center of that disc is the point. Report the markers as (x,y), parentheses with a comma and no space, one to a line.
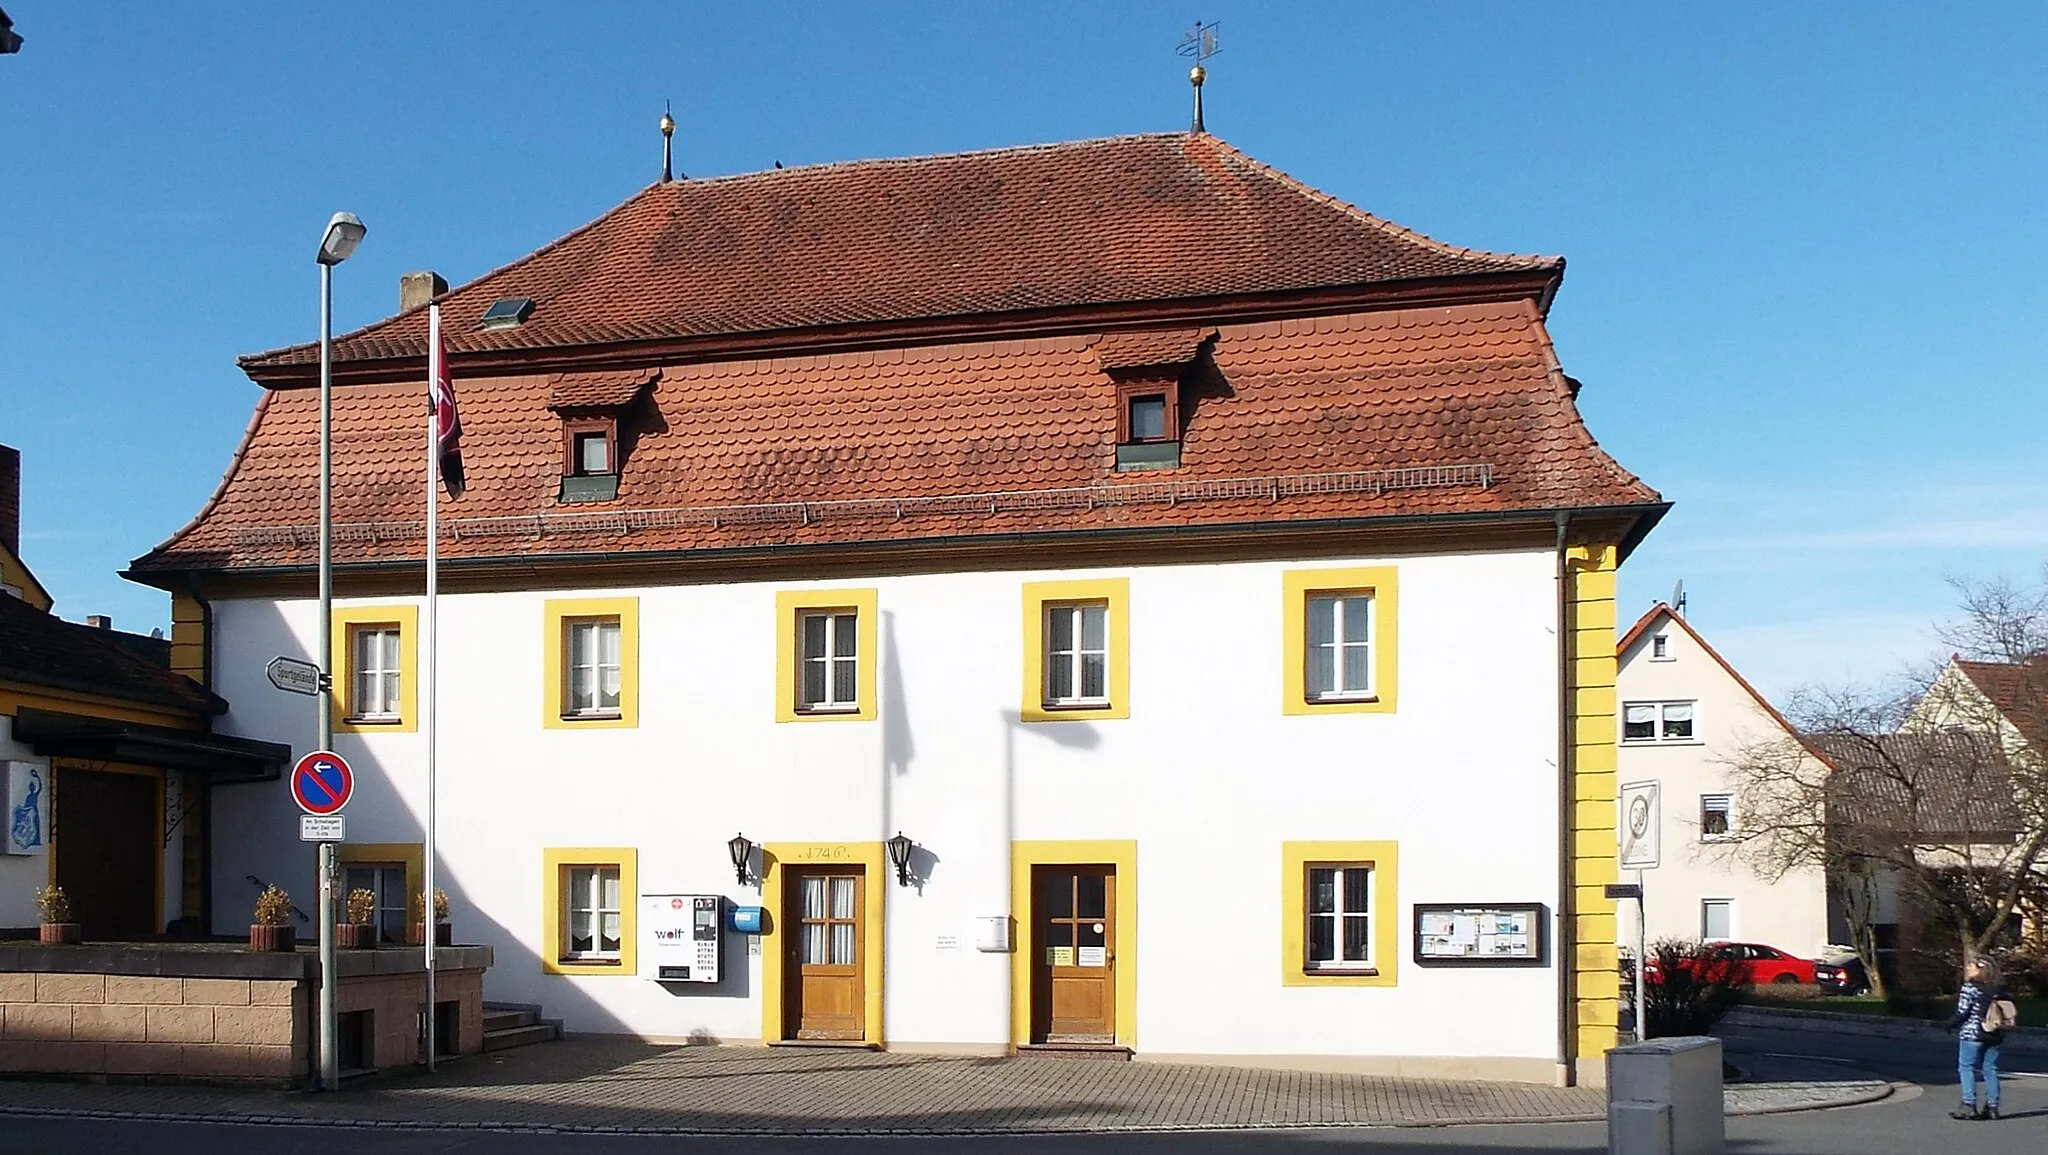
(507,312)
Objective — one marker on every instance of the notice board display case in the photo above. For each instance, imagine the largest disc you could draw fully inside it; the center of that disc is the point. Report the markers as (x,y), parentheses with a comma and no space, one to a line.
(1480,934)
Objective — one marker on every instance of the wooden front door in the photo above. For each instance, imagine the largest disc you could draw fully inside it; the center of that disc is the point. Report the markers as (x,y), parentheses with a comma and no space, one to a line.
(825,962)
(1073,999)
(104,827)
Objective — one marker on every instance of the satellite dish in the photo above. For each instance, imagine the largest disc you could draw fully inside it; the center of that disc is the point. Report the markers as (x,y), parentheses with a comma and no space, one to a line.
(1678,598)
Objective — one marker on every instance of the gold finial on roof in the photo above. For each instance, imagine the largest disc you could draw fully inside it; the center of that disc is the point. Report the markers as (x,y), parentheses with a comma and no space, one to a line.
(668,131)
(1200,43)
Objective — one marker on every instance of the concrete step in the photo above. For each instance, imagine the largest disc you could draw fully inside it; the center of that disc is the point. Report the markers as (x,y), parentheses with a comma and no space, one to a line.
(497,1020)
(542,1032)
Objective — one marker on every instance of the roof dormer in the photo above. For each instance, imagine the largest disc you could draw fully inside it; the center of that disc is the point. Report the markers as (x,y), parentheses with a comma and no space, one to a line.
(593,408)
(1150,368)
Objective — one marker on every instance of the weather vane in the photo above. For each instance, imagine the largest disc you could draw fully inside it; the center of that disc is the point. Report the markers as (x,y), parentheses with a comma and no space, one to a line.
(1200,43)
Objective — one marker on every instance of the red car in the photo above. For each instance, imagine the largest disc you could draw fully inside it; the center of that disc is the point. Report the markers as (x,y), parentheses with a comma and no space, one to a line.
(1760,964)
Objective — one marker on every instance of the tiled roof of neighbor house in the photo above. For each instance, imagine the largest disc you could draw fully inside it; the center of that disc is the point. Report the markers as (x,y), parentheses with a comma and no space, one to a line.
(1121,220)
(1440,410)
(2019,690)
(41,649)
(1938,786)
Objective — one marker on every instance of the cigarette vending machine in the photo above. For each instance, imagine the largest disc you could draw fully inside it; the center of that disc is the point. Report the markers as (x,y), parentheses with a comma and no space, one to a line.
(679,937)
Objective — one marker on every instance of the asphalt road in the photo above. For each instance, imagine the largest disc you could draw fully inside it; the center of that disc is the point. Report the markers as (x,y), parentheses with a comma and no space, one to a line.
(1913,1122)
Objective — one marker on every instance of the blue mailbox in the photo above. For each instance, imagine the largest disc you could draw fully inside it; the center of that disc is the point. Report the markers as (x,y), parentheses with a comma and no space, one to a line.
(745,919)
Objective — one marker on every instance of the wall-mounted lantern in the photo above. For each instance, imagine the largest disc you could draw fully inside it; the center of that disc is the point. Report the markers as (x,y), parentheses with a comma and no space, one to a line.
(741,850)
(899,853)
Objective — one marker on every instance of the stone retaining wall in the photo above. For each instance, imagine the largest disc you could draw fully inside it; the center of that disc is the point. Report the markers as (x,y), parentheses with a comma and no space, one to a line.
(198,1013)
(89,1024)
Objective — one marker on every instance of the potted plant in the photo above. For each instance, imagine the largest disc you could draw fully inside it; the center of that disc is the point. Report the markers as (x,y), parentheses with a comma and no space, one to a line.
(357,931)
(273,930)
(53,907)
(444,934)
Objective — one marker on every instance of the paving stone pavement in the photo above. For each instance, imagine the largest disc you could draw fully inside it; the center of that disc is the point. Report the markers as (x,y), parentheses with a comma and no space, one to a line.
(613,1085)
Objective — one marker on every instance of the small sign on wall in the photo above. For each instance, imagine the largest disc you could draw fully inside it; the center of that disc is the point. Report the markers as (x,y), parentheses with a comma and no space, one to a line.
(27,812)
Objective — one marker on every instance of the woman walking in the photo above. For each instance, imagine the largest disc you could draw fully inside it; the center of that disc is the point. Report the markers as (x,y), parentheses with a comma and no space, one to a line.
(1977,1039)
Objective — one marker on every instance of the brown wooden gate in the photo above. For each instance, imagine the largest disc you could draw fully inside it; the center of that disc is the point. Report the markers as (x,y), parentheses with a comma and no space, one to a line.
(106,835)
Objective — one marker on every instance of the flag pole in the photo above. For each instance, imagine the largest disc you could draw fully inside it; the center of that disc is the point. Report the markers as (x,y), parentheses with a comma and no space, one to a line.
(429,650)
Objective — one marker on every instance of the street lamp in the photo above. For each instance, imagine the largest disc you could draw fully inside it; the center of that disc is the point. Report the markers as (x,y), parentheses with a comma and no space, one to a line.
(344,233)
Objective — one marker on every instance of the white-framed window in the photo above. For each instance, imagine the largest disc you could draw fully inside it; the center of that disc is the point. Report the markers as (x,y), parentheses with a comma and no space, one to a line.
(1660,647)
(1076,653)
(1717,919)
(386,880)
(1339,917)
(1657,722)
(1717,817)
(373,673)
(594,668)
(1339,647)
(829,666)
(593,913)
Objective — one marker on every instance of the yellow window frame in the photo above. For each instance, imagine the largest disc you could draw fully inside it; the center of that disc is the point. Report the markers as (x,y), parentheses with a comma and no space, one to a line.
(790,606)
(341,660)
(556,862)
(1115,593)
(1295,860)
(557,615)
(1381,583)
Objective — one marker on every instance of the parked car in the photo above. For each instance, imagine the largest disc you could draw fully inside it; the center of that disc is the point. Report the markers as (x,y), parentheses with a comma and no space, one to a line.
(1843,977)
(1757,963)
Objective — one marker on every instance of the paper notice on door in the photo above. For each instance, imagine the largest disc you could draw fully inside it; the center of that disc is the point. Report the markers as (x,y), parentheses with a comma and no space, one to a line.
(1059,956)
(1093,956)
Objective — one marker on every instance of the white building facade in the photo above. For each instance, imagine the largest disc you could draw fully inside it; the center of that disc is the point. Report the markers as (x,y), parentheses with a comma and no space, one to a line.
(1686,715)
(1144,616)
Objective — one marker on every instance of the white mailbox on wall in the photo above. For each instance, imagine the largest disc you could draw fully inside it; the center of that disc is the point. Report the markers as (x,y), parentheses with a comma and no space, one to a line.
(679,937)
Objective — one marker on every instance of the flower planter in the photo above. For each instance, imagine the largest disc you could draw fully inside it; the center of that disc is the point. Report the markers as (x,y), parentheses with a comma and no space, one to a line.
(355,936)
(273,938)
(444,934)
(60,933)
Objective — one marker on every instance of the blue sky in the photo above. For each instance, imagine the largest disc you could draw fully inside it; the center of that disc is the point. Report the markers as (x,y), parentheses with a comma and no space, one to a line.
(1805,241)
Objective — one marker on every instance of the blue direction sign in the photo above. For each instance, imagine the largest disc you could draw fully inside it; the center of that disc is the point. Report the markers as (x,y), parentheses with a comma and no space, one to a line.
(322,782)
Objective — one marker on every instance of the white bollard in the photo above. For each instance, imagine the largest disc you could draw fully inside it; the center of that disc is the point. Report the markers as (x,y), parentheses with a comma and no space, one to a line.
(1664,1098)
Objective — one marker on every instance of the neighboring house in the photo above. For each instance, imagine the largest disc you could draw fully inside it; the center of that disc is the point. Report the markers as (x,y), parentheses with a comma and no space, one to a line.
(1107,518)
(1686,714)
(1908,802)
(105,762)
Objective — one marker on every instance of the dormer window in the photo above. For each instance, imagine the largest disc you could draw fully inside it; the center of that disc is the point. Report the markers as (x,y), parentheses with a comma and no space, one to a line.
(1150,369)
(1148,424)
(596,411)
(1148,418)
(593,453)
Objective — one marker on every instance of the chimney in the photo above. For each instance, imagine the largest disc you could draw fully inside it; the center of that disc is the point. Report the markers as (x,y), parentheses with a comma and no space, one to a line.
(10,500)
(416,289)
(99,621)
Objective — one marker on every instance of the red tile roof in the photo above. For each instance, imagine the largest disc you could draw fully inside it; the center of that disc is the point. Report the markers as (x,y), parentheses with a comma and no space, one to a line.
(598,390)
(2019,690)
(1150,347)
(1431,410)
(1125,220)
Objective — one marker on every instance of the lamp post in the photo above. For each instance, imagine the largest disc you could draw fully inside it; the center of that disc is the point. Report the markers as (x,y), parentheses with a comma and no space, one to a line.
(343,233)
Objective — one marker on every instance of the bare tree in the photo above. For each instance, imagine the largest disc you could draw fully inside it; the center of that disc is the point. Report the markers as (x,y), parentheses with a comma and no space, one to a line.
(1932,795)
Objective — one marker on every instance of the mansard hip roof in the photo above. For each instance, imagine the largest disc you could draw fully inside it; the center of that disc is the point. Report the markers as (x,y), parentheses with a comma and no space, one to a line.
(1120,221)
(1450,410)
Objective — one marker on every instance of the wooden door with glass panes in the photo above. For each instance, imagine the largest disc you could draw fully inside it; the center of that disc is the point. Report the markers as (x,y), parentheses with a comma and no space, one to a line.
(1074,954)
(824,965)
